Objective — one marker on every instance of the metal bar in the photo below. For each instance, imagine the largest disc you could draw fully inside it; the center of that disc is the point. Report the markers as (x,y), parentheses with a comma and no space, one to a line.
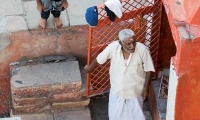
(88,61)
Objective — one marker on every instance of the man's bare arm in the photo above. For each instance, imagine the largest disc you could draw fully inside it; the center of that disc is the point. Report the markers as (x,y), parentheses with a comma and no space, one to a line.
(145,90)
(92,66)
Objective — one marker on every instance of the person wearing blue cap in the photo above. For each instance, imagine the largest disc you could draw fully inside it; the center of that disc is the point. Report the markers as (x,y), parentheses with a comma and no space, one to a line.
(53,6)
(130,74)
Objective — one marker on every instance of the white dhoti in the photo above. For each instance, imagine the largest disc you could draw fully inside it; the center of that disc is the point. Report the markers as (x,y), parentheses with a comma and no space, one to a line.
(125,109)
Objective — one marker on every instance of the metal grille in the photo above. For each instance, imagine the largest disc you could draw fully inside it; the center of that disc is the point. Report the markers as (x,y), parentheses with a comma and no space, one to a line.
(143,17)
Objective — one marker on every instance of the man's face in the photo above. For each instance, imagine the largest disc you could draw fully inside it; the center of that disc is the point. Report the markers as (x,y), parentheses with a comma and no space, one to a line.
(129,44)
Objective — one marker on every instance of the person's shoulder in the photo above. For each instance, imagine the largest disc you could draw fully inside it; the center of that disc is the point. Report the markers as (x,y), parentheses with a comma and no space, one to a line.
(141,46)
(114,44)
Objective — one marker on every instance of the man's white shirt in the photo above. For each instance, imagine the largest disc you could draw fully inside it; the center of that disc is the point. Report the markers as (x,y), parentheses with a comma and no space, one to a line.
(127,81)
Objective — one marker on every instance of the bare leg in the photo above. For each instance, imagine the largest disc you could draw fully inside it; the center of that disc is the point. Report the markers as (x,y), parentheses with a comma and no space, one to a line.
(58,23)
(42,24)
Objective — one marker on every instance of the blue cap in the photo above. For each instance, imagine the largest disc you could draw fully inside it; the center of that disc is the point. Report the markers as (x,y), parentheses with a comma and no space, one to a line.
(91,16)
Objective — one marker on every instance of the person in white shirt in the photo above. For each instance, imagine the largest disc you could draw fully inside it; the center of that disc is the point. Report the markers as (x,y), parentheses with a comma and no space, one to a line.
(130,74)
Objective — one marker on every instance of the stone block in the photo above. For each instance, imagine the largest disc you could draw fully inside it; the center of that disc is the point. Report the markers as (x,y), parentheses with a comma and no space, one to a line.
(68,97)
(45,80)
(16,23)
(77,9)
(12,118)
(31,12)
(45,91)
(30,101)
(11,7)
(81,114)
(3,24)
(75,104)
(30,109)
(47,74)
(65,97)
(40,116)
(4,41)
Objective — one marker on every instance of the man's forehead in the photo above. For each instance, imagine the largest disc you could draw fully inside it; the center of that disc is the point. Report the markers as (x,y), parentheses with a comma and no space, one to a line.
(131,39)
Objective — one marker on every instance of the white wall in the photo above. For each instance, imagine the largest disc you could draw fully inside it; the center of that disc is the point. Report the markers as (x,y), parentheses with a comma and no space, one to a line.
(171,93)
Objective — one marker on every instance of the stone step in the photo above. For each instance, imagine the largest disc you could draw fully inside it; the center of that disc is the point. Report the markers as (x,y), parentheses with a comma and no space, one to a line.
(44,80)
(13,118)
(75,114)
(65,97)
(46,106)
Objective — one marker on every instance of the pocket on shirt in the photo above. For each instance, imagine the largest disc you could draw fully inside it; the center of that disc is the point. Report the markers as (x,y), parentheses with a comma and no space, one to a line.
(136,69)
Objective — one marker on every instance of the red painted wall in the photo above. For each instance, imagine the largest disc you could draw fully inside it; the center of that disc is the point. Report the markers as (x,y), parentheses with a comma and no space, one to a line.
(188,89)
(186,60)
(71,40)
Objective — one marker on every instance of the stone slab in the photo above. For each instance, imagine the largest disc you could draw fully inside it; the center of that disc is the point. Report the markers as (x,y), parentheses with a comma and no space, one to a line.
(30,101)
(83,114)
(65,97)
(30,109)
(12,118)
(33,16)
(46,90)
(77,9)
(3,24)
(46,74)
(69,97)
(16,23)
(4,41)
(41,116)
(43,107)
(11,7)
(76,104)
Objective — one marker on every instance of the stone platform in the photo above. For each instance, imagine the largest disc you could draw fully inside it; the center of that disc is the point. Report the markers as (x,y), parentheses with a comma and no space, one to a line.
(77,114)
(37,88)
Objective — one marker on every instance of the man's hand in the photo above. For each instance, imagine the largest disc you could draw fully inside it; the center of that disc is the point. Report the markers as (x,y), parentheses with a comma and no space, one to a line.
(40,7)
(145,93)
(92,66)
(64,4)
(88,69)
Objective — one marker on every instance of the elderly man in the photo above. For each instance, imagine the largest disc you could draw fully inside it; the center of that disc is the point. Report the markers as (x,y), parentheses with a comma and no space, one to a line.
(53,6)
(130,74)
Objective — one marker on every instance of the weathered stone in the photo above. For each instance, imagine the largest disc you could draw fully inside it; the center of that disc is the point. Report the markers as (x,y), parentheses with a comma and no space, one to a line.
(4,41)
(69,97)
(30,101)
(16,23)
(64,97)
(3,24)
(81,114)
(47,74)
(12,118)
(45,91)
(30,109)
(78,114)
(71,104)
(45,80)
(11,7)
(40,116)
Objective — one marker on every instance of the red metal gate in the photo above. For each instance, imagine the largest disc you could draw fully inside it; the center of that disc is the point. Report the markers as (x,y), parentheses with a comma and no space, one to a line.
(143,17)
